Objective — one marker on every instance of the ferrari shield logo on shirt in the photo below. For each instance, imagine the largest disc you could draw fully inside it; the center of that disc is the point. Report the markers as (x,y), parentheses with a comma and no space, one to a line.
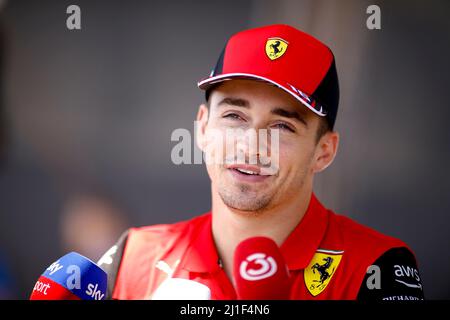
(275,48)
(321,269)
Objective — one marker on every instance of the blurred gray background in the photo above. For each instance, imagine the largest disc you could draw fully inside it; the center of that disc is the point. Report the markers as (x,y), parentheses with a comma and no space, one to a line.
(87,117)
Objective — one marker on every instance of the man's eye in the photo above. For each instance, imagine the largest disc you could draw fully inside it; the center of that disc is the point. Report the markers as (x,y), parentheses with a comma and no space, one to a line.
(232,116)
(283,126)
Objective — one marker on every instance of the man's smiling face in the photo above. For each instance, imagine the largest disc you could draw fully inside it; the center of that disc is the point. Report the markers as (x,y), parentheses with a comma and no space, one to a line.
(252,105)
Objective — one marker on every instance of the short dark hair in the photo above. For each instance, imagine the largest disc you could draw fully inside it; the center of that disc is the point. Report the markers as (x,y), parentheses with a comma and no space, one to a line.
(324,127)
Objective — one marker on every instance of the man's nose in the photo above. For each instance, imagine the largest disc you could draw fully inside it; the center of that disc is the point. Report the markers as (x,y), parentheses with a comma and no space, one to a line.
(253,143)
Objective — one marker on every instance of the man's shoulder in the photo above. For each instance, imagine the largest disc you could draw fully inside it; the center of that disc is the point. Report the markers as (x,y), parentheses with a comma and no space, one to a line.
(165,232)
(367,252)
(379,262)
(133,256)
(356,237)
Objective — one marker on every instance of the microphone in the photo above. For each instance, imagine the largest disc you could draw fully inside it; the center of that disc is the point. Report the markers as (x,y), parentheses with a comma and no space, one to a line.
(72,277)
(259,271)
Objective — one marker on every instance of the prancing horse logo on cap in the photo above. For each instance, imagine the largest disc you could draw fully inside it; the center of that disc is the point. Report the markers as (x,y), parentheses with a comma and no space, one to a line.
(276,47)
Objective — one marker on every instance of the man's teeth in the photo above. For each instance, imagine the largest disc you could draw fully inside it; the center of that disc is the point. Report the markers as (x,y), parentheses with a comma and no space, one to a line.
(246,171)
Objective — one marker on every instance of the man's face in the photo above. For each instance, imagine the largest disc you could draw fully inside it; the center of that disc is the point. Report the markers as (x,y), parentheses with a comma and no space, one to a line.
(251,105)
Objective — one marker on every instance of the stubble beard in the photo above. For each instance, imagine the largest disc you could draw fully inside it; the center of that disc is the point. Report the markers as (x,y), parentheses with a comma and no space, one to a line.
(245,199)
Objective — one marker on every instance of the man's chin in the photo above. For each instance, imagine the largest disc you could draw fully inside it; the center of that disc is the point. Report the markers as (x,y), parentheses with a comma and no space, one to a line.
(249,204)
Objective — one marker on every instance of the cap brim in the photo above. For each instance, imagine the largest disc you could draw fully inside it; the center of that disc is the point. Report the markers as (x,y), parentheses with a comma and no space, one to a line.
(296,93)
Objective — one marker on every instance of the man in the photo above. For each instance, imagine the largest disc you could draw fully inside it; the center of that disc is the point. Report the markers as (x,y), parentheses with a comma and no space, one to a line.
(283,81)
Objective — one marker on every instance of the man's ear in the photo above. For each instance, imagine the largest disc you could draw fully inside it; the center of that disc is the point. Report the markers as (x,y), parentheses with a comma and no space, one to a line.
(326,151)
(202,121)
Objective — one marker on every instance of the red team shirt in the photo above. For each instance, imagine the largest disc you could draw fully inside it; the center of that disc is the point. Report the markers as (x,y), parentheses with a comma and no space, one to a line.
(147,256)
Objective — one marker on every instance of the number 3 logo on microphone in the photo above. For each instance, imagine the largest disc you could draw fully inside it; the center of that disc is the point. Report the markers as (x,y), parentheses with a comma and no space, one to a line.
(267,267)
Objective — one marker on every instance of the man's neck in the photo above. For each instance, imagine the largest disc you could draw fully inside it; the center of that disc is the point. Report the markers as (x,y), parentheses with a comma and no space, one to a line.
(230,227)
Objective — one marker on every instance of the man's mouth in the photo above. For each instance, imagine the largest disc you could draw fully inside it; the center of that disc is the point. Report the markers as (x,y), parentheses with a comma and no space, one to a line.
(248,173)
(246,169)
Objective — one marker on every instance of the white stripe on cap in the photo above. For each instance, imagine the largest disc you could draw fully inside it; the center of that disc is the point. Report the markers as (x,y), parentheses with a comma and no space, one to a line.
(299,95)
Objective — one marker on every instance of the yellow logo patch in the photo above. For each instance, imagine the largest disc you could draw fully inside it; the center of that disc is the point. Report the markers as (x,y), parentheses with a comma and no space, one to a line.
(321,269)
(275,48)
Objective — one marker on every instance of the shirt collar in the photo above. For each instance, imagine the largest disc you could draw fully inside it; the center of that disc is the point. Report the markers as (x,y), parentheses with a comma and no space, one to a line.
(298,249)
(201,255)
(300,246)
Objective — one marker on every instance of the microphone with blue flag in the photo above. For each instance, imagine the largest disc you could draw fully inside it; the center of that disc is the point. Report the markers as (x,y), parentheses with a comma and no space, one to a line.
(72,277)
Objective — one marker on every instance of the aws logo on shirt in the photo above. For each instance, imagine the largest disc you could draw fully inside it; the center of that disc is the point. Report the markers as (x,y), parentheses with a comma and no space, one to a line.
(408,276)
(321,269)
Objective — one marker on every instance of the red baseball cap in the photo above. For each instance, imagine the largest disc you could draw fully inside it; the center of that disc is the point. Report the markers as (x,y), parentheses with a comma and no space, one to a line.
(285,57)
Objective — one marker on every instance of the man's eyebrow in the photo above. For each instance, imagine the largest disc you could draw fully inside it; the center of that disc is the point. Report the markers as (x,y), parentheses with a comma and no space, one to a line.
(289,114)
(238,102)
